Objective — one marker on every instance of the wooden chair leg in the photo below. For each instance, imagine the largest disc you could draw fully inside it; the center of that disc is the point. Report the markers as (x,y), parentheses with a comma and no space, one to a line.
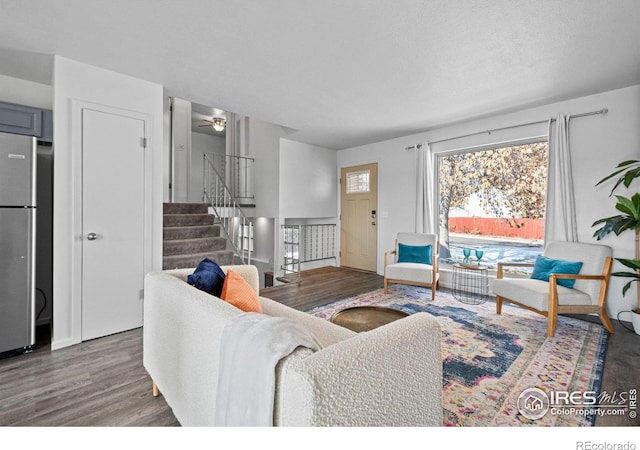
(433,291)
(498,304)
(551,325)
(604,317)
(386,288)
(155,390)
(552,310)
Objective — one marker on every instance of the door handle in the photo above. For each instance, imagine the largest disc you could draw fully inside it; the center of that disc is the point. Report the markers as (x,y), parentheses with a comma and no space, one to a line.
(92,237)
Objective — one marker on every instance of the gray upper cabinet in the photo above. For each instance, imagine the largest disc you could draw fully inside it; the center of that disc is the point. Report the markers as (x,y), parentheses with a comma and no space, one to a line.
(20,119)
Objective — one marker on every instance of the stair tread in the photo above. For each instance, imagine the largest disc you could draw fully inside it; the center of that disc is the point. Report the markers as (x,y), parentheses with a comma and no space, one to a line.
(171,216)
(193,226)
(198,254)
(188,245)
(196,239)
(222,257)
(187,220)
(187,214)
(190,234)
(184,206)
(171,233)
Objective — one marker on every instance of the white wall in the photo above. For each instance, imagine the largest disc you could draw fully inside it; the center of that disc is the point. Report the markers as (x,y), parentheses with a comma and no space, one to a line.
(263,238)
(77,81)
(23,92)
(202,143)
(264,147)
(598,144)
(308,180)
(181,150)
(307,190)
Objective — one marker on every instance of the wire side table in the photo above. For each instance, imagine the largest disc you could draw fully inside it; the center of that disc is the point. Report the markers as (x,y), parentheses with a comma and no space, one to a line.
(470,283)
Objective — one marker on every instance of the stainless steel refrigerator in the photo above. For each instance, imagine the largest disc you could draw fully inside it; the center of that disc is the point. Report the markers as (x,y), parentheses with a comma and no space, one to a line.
(17,241)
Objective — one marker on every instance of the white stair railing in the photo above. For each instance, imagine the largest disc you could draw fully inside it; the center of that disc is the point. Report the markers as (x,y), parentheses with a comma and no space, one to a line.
(307,243)
(231,217)
(237,172)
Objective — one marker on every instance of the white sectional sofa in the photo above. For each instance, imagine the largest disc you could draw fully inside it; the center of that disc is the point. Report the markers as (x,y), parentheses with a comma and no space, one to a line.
(390,376)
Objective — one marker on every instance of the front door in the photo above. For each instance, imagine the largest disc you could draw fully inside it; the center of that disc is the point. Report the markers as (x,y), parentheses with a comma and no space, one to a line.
(113,225)
(359,217)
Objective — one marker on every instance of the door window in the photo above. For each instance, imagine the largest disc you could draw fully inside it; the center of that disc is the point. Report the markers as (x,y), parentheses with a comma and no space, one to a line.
(358,182)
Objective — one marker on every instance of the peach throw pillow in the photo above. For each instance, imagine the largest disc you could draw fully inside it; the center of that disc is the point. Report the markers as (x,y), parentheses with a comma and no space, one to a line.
(239,293)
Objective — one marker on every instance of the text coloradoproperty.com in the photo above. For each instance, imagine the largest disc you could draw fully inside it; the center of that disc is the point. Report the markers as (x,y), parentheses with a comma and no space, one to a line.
(586,411)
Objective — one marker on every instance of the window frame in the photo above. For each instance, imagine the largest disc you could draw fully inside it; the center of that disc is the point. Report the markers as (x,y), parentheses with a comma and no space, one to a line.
(473,149)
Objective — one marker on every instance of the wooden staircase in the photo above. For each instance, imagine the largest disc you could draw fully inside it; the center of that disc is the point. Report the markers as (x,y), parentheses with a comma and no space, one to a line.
(190,235)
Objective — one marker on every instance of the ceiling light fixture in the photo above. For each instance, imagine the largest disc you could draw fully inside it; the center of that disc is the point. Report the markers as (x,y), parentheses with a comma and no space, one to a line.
(218,123)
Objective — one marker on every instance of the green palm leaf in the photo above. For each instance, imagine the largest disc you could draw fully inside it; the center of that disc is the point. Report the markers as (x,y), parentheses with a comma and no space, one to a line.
(627,286)
(631,263)
(627,172)
(630,176)
(630,206)
(631,169)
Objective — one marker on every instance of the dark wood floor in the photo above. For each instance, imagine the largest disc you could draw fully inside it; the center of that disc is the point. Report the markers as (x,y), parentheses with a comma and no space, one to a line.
(102,382)
(320,286)
(97,383)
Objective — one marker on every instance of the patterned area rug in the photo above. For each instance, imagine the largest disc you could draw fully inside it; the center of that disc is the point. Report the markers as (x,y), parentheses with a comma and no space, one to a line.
(489,359)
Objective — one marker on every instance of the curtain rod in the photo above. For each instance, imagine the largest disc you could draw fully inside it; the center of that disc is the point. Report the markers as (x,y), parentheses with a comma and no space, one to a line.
(591,113)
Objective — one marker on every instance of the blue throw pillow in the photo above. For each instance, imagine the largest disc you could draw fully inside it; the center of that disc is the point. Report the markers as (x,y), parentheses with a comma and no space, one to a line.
(414,253)
(207,277)
(546,266)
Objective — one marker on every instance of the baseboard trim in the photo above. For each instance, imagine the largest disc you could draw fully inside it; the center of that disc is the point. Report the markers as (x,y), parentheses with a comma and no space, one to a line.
(62,343)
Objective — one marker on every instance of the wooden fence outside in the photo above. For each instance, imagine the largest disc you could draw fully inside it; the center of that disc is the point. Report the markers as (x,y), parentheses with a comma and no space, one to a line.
(487,226)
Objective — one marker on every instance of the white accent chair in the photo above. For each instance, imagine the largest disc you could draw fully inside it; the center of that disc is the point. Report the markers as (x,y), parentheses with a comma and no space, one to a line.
(588,296)
(414,274)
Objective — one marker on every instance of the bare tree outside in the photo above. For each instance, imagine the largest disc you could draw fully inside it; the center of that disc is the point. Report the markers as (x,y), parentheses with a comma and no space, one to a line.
(508,184)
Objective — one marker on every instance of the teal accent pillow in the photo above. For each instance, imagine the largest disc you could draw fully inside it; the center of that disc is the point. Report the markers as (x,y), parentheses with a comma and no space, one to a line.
(414,253)
(544,267)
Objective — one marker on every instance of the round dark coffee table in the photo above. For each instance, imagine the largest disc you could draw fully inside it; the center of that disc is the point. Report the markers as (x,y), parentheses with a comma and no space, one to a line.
(365,318)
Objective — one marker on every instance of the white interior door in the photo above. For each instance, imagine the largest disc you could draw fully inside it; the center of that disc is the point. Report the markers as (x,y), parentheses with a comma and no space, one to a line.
(113,225)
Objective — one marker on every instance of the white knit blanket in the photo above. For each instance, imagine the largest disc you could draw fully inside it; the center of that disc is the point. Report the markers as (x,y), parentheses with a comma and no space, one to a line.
(251,346)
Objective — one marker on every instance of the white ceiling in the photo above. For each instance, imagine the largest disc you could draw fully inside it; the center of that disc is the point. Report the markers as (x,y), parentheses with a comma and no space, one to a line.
(342,72)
